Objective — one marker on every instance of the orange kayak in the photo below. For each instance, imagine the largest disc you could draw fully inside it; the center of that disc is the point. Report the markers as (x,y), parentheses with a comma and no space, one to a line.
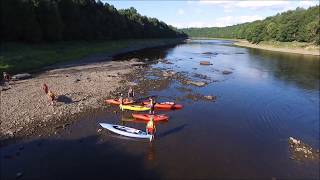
(146,117)
(165,105)
(117,102)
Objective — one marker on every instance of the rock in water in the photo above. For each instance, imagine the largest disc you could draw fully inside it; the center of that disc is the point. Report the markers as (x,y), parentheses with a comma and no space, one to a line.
(205,63)
(21,76)
(226,72)
(211,98)
(210,53)
(19,175)
(168,73)
(197,83)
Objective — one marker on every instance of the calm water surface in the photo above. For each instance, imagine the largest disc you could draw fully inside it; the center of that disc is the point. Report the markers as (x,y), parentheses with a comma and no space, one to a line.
(268,97)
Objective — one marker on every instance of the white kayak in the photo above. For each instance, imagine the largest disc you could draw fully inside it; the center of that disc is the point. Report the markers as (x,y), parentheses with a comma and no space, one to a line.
(126,131)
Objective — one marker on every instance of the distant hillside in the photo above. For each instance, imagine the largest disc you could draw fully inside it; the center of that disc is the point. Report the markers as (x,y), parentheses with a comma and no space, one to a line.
(61,20)
(295,25)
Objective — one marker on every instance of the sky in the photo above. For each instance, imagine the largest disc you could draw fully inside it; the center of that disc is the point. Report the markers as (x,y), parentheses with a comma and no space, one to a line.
(210,13)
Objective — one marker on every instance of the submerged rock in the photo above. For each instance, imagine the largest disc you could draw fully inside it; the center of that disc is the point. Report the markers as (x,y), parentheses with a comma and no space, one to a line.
(201,76)
(205,63)
(210,53)
(21,76)
(168,73)
(211,98)
(19,175)
(196,83)
(226,72)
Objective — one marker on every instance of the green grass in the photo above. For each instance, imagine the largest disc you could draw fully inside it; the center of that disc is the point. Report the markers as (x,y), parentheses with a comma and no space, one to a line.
(18,57)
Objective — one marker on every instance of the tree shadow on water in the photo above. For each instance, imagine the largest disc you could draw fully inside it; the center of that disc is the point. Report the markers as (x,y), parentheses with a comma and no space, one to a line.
(84,158)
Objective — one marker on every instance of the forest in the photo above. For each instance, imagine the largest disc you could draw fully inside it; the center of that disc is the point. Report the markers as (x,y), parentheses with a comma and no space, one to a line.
(300,25)
(38,21)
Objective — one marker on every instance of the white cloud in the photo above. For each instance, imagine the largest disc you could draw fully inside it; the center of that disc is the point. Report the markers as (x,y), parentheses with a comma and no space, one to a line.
(232,20)
(218,22)
(306,4)
(181,12)
(229,6)
(261,4)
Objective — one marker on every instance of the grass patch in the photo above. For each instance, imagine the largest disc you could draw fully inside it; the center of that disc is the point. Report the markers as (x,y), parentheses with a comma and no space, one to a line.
(19,57)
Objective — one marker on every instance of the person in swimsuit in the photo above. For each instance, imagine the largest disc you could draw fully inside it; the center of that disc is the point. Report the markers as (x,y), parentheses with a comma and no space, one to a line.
(151,128)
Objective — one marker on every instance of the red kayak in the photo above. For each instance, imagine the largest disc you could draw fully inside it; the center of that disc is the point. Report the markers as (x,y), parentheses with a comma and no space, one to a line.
(165,105)
(146,117)
(117,102)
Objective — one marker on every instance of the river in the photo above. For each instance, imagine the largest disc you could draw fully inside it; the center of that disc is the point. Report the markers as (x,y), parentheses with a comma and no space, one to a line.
(266,98)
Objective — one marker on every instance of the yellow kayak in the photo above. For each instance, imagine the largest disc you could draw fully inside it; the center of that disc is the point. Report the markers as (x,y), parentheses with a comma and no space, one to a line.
(134,108)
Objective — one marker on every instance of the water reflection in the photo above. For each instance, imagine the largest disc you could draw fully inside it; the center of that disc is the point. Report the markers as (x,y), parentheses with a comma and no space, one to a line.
(301,70)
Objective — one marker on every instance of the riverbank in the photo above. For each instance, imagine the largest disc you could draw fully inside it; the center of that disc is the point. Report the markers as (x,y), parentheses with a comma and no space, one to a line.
(18,57)
(25,108)
(288,47)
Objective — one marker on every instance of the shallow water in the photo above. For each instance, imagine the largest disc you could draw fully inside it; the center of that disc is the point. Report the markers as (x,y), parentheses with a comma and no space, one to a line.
(268,97)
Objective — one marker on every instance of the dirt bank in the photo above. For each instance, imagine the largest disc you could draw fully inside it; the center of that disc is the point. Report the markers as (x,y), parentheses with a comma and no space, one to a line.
(307,50)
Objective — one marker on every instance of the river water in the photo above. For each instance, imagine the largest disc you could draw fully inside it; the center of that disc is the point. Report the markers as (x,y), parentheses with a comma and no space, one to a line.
(267,98)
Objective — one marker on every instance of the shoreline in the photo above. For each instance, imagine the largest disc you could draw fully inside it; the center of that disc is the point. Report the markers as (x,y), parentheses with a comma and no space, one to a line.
(245,43)
(302,51)
(79,87)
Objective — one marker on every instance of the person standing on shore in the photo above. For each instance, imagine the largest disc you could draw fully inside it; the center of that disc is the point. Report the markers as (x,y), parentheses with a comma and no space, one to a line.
(152,105)
(130,94)
(45,88)
(49,93)
(51,96)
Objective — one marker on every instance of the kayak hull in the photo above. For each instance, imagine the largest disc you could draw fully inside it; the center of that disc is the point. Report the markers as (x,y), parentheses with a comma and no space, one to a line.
(165,105)
(146,117)
(117,102)
(126,131)
(134,108)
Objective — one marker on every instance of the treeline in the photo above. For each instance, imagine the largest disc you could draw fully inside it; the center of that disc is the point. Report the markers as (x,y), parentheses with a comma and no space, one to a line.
(295,25)
(63,20)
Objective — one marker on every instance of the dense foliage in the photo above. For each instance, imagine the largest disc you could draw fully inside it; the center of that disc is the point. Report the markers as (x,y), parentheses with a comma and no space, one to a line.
(294,25)
(56,20)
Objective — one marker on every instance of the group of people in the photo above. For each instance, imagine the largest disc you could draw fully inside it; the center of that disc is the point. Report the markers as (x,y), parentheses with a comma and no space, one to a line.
(150,128)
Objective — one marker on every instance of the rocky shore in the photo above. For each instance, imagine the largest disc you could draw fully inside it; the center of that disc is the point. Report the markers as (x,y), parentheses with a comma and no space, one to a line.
(25,107)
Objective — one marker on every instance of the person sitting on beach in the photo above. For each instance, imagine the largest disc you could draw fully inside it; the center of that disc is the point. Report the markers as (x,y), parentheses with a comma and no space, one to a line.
(130,94)
(45,88)
(51,96)
(6,77)
(152,105)
(151,128)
